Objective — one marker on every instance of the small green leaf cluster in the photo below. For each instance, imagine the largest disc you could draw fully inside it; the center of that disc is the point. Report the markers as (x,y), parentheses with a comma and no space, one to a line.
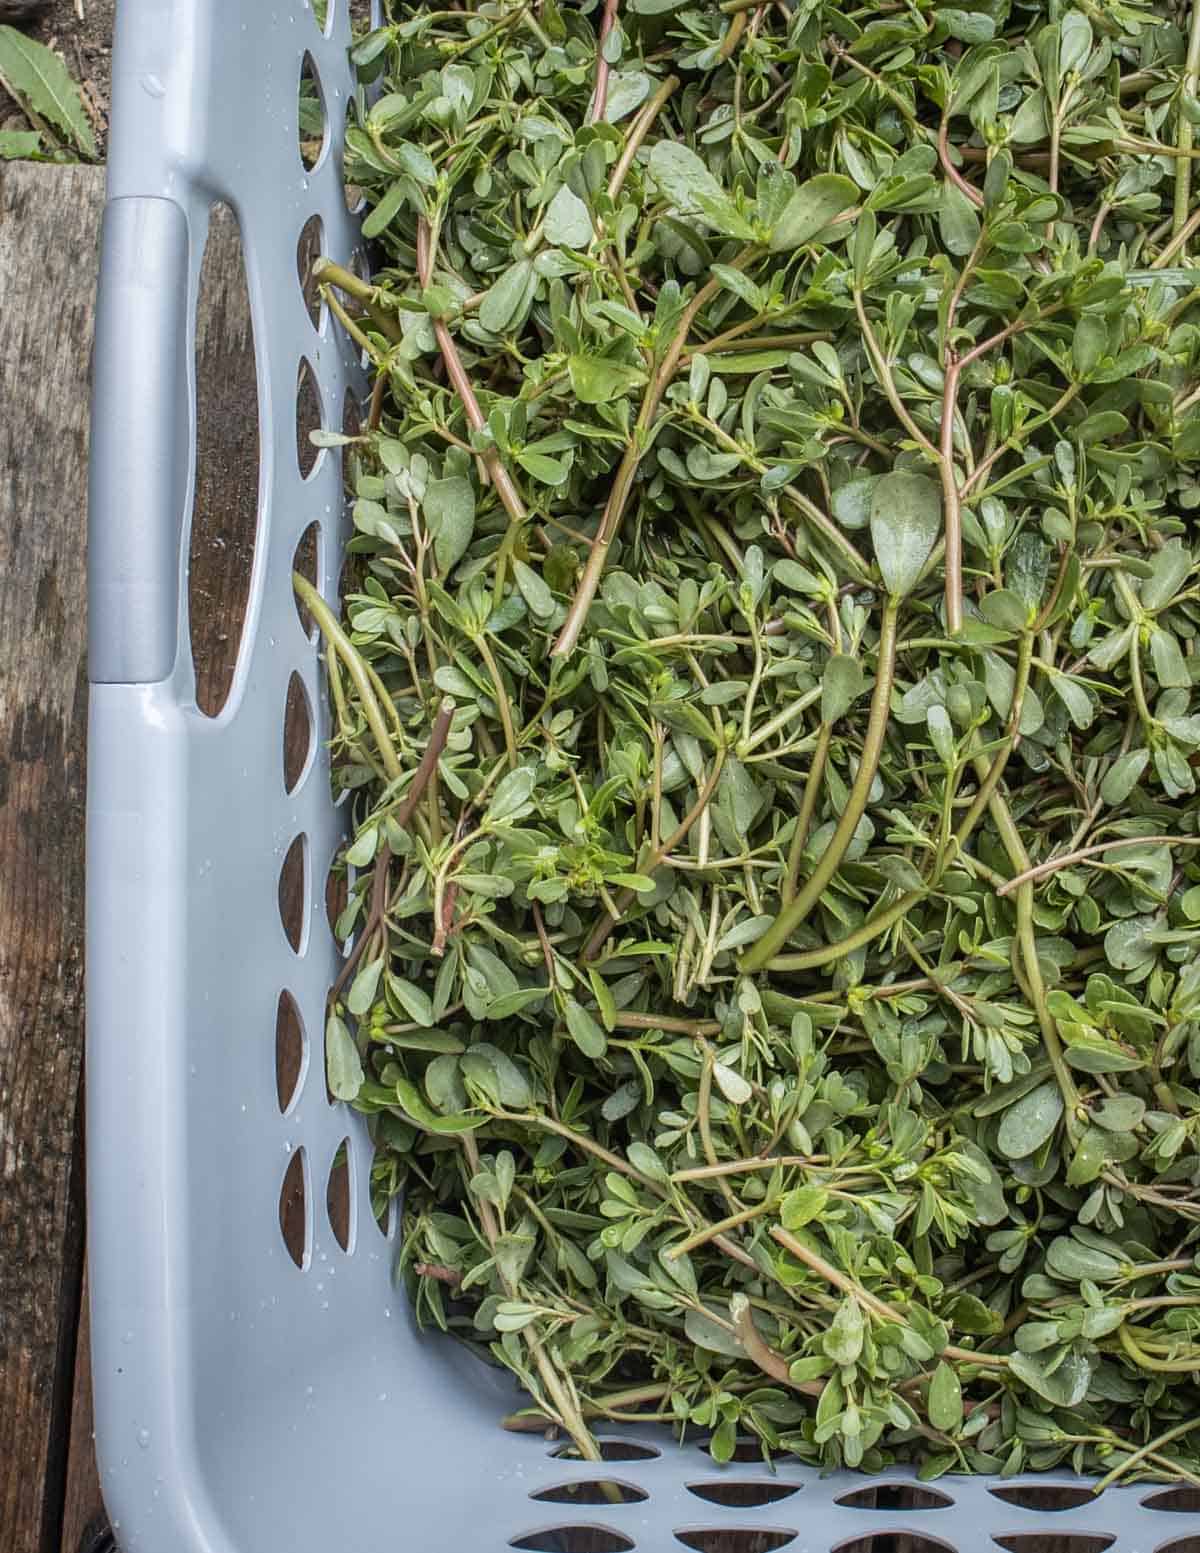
(35,77)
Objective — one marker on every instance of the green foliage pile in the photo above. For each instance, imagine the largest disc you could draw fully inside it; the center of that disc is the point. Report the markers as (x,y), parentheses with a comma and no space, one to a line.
(768,700)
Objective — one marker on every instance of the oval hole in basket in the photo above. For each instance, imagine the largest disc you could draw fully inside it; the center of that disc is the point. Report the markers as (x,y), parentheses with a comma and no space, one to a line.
(308,251)
(748,1448)
(309,418)
(352,416)
(306,559)
(735,1539)
(573,1539)
(312,120)
(293,893)
(743,1496)
(894,1542)
(354,196)
(224,524)
(360,264)
(291,1052)
(322,11)
(1046,1496)
(298,741)
(1183,1497)
(351,577)
(293,1210)
(1054,1542)
(339,1200)
(610,1450)
(592,1491)
(896,1496)
(337,895)
(383,1197)
(352,425)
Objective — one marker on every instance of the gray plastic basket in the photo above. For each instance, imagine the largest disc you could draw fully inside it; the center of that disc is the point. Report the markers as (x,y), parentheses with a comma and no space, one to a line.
(243,1404)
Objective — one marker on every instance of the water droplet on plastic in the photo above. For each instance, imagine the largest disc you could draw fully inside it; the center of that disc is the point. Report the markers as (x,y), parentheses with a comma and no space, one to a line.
(144,1439)
(153,87)
(383,1396)
(308,1391)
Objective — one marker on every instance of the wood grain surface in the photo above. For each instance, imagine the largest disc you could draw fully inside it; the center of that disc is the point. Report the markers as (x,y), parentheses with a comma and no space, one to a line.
(49,222)
(83,1518)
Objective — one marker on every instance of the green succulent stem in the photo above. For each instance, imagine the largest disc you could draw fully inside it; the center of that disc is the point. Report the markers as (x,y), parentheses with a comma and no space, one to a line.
(800,907)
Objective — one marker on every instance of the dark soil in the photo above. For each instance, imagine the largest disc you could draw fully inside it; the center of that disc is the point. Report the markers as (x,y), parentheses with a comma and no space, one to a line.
(81,31)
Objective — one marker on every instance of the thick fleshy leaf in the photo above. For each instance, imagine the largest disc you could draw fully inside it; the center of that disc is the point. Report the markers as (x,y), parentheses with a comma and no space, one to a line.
(343,1065)
(599,380)
(810,210)
(945,1399)
(684,178)
(584,1031)
(906,520)
(841,685)
(1061,1379)
(567,221)
(1026,1125)
(449,507)
(507,302)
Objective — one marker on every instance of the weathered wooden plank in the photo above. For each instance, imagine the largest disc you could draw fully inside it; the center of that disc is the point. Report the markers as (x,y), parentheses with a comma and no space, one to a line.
(83,1516)
(49,222)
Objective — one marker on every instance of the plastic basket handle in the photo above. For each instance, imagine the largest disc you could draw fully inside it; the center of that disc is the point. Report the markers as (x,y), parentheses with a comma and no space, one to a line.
(138,483)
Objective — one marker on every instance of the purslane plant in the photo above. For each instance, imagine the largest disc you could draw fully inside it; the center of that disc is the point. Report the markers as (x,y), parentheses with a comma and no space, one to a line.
(766,686)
